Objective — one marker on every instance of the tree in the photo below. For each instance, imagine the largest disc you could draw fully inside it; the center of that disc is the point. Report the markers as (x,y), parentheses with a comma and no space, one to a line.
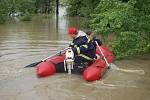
(44,6)
(4,9)
(81,7)
(113,16)
(74,7)
(26,7)
(129,20)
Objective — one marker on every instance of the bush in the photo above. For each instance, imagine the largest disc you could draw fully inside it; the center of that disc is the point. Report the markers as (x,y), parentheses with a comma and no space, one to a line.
(26,17)
(129,20)
(130,43)
(113,16)
(4,10)
(82,8)
(3,18)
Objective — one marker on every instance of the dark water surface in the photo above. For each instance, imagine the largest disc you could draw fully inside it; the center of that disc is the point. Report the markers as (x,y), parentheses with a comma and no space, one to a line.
(22,43)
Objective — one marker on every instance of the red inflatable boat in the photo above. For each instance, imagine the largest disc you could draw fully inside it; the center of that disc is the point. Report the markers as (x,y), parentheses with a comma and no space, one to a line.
(91,73)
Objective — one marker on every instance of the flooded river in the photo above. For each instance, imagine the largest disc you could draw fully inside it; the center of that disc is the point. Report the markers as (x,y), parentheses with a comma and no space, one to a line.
(22,43)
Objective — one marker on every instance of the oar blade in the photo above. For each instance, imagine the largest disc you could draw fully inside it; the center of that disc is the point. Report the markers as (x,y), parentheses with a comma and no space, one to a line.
(33,64)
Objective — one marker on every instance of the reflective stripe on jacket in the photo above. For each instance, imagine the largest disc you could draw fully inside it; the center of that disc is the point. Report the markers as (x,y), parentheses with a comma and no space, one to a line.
(83,48)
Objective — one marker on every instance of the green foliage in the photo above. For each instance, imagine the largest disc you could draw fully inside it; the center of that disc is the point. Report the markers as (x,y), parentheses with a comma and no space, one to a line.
(143,15)
(129,20)
(25,5)
(131,43)
(10,7)
(73,8)
(45,6)
(4,9)
(26,17)
(113,16)
(82,8)
(88,7)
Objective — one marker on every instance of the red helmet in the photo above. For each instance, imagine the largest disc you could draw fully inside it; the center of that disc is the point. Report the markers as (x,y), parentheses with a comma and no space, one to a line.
(72,31)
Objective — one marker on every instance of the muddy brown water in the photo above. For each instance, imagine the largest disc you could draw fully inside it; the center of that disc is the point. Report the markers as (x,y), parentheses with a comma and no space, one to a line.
(22,43)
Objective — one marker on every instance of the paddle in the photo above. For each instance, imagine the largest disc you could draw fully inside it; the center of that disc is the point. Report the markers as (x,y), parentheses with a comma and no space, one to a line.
(36,63)
(103,56)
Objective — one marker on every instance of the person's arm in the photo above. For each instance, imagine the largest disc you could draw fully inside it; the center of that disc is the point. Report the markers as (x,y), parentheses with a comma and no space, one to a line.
(83,48)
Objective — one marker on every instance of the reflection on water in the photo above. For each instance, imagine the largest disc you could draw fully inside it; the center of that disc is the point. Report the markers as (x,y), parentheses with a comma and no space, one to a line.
(22,43)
